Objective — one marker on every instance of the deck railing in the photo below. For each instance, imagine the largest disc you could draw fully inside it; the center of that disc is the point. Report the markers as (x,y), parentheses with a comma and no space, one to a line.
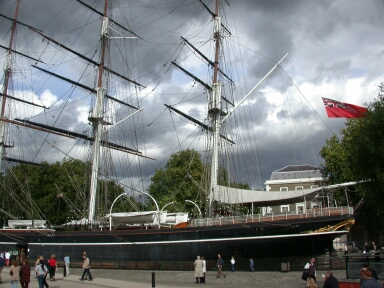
(268,217)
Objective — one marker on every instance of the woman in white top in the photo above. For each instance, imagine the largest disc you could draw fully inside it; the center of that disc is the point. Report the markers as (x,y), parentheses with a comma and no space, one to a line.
(41,270)
(233,264)
(204,268)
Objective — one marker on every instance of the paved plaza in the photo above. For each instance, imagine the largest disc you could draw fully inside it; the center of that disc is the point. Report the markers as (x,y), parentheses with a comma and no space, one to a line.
(143,279)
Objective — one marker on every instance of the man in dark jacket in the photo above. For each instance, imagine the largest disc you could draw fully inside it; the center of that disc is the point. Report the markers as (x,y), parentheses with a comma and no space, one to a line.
(366,267)
(310,266)
(330,281)
(219,265)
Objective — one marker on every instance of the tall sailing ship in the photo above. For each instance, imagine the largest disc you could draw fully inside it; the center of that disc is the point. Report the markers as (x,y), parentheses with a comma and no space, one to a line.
(110,84)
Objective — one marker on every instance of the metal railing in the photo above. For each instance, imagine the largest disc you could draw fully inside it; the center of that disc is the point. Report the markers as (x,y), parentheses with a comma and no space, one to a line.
(310,213)
(355,261)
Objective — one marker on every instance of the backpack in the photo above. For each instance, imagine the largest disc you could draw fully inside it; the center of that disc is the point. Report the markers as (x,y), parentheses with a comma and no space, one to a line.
(304,276)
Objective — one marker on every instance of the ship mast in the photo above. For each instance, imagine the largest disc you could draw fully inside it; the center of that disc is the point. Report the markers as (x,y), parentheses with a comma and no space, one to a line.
(214,110)
(97,119)
(7,75)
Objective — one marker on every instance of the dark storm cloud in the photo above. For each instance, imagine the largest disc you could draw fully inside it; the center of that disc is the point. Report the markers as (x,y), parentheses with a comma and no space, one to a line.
(336,48)
(330,71)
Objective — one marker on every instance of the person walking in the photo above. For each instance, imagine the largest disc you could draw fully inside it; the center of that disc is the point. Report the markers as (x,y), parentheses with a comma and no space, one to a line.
(25,274)
(41,271)
(7,258)
(366,248)
(2,262)
(14,273)
(198,270)
(251,265)
(233,264)
(86,267)
(66,265)
(52,267)
(86,276)
(219,265)
(45,263)
(310,266)
(204,267)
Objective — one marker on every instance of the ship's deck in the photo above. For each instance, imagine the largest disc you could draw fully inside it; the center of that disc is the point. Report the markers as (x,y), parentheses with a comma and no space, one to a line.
(269,217)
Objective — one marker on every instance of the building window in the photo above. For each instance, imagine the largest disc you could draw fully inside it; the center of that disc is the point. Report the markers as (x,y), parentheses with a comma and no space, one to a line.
(299,188)
(284,208)
(283,188)
(299,208)
(315,205)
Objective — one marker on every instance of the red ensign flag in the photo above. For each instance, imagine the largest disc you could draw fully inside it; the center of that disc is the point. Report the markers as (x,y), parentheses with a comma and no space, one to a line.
(336,109)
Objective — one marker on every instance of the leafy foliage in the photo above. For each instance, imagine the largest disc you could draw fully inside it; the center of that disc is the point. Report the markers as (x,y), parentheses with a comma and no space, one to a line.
(57,192)
(359,156)
(178,181)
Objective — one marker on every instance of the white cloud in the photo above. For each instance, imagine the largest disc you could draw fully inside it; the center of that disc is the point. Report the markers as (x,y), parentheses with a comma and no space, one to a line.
(48,98)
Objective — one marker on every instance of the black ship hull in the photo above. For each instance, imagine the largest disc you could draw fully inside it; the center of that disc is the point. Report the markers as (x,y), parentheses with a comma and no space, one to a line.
(260,239)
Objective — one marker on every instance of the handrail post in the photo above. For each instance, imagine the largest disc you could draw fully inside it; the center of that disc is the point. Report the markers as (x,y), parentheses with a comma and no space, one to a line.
(153,280)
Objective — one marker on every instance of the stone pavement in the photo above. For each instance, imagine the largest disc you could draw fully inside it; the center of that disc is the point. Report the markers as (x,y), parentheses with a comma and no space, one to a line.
(109,278)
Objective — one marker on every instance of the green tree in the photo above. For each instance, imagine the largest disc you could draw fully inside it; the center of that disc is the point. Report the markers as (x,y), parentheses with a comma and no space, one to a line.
(38,192)
(179,181)
(57,192)
(336,165)
(359,156)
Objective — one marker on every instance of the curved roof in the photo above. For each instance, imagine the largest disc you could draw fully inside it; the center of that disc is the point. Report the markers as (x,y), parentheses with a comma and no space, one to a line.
(269,198)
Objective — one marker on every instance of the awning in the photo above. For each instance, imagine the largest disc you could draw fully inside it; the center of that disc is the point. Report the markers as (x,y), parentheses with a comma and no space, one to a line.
(230,195)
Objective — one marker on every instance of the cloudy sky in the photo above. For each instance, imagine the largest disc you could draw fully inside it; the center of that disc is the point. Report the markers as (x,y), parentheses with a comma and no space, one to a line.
(336,51)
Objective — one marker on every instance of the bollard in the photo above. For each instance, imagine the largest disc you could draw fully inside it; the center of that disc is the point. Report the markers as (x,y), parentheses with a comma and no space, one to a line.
(153,280)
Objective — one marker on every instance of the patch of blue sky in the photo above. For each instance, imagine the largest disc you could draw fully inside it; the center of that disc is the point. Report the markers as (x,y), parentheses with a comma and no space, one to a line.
(357,72)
